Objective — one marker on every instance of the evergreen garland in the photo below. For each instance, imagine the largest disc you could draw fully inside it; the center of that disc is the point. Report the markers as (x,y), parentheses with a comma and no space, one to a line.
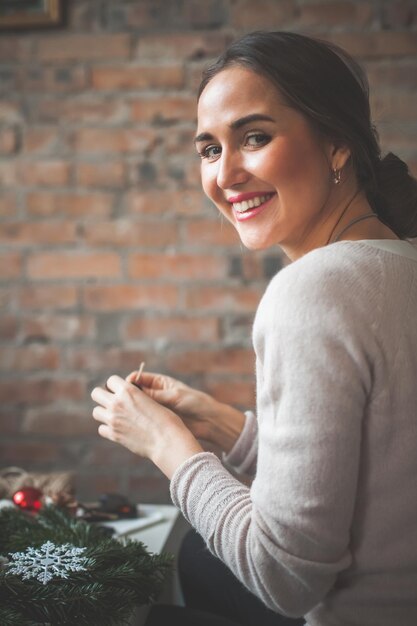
(118,577)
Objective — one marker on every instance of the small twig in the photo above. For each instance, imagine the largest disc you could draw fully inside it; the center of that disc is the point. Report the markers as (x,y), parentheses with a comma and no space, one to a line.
(139,374)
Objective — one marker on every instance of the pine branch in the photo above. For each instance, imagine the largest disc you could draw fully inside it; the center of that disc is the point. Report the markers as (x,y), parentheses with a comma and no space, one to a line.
(117,577)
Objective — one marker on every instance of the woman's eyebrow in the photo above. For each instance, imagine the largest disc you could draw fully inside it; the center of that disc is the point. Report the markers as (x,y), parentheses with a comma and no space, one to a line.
(242,121)
(248,119)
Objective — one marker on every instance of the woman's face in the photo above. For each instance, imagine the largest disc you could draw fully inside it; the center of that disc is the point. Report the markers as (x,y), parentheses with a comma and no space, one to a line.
(262,164)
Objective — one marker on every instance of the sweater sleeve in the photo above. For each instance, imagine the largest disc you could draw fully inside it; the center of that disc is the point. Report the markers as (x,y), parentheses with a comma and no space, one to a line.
(287,536)
(242,457)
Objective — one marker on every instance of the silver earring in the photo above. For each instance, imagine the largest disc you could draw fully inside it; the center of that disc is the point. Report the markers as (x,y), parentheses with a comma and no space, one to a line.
(337,175)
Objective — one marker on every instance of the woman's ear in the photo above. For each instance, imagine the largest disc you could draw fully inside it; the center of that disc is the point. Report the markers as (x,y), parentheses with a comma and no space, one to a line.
(339,155)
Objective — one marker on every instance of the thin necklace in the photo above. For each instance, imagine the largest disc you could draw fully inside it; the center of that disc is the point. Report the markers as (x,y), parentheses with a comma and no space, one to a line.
(357,219)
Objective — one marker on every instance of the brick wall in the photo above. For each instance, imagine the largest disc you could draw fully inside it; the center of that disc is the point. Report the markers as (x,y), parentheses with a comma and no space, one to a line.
(109,253)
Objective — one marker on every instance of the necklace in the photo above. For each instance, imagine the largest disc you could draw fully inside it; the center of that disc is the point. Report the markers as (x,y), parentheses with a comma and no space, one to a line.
(357,219)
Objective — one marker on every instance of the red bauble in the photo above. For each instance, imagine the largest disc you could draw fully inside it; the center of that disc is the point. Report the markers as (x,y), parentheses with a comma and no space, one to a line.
(28,499)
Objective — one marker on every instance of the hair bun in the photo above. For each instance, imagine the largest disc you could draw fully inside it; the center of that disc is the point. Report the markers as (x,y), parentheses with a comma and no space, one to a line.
(396,201)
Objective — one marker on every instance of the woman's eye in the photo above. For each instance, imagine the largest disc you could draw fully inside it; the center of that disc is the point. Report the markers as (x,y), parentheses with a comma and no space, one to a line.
(257,139)
(210,152)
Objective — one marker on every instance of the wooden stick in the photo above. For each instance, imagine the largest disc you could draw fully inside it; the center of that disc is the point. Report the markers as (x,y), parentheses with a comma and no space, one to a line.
(139,374)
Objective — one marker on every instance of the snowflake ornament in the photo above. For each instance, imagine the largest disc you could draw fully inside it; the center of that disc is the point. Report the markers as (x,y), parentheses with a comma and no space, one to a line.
(47,562)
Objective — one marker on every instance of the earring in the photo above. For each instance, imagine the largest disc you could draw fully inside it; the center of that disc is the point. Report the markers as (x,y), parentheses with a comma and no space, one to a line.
(337,175)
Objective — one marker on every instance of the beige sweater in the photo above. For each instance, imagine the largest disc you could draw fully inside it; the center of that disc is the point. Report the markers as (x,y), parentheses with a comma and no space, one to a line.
(328,529)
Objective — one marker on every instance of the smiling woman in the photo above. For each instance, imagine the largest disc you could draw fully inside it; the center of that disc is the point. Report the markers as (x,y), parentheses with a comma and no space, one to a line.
(327,530)
(272,154)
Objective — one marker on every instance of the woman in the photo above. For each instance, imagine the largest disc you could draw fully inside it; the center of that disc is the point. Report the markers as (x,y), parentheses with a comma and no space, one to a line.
(328,529)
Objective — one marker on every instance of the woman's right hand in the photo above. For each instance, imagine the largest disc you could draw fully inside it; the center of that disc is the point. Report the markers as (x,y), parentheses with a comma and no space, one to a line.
(204,416)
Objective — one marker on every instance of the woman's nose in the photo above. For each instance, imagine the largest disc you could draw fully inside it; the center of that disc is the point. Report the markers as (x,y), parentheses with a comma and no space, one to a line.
(231,171)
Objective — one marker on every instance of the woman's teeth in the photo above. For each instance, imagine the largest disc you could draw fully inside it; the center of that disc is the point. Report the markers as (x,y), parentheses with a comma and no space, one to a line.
(241,207)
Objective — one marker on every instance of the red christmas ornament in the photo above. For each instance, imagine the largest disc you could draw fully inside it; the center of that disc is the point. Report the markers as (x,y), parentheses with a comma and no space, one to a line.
(28,499)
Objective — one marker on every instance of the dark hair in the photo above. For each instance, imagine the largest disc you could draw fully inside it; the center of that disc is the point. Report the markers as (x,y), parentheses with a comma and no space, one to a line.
(329,87)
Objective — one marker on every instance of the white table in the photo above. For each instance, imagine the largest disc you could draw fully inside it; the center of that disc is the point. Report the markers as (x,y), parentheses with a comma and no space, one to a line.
(164,535)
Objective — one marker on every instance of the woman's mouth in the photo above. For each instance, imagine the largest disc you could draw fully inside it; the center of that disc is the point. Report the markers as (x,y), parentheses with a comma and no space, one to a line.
(250,207)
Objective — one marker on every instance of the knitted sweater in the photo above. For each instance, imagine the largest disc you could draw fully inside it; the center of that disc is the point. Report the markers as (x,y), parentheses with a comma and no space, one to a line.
(328,528)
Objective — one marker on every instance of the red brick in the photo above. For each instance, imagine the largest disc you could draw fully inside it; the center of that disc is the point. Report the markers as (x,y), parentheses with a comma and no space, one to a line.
(58,327)
(58,421)
(72,204)
(126,297)
(83,47)
(41,140)
(181,45)
(48,297)
(7,298)
(127,233)
(210,233)
(10,421)
(251,267)
(180,141)
(32,234)
(376,44)
(334,13)
(113,140)
(151,15)
(399,14)
(236,392)
(149,489)
(177,266)
(402,142)
(10,265)
(170,203)
(84,109)
(82,16)
(105,361)
(224,361)
(41,391)
(45,265)
(9,140)
(90,486)
(21,452)
(392,106)
(162,110)
(68,79)
(251,15)
(108,175)
(222,298)
(15,48)
(194,74)
(103,453)
(8,327)
(11,111)
(33,357)
(8,174)
(137,77)
(50,173)
(392,74)
(210,14)
(192,171)
(173,329)
(8,204)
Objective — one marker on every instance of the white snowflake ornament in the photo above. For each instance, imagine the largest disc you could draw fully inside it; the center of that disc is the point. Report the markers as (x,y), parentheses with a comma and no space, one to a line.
(47,562)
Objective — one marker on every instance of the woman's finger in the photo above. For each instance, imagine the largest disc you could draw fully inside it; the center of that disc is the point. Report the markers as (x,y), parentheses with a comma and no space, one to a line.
(115,383)
(153,381)
(101,396)
(105,432)
(100,414)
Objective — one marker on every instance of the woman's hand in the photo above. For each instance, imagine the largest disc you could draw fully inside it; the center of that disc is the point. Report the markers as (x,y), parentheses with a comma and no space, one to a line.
(132,418)
(204,416)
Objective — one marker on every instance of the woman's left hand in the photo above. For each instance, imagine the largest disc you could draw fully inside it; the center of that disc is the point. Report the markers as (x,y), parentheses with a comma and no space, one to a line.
(130,417)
